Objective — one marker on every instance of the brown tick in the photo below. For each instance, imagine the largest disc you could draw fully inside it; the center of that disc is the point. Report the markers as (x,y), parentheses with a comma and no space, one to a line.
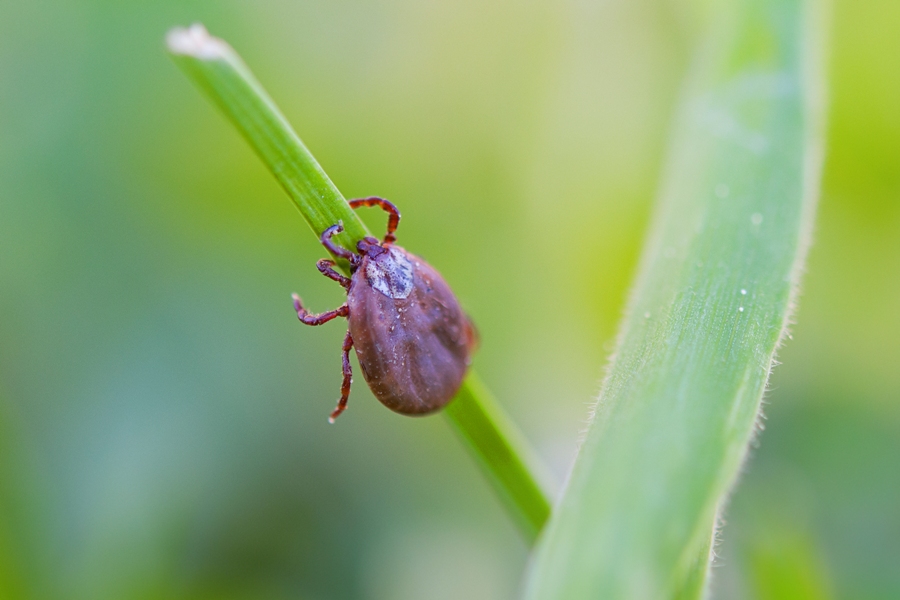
(412,339)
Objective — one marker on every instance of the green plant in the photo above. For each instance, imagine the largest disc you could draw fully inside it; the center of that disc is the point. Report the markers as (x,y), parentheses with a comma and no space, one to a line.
(712,301)
(499,449)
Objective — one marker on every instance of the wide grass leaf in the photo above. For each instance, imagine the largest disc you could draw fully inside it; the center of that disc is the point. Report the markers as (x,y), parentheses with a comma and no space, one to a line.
(710,305)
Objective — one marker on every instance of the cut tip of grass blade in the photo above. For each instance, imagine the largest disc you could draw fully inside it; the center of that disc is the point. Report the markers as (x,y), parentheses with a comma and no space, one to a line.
(196,41)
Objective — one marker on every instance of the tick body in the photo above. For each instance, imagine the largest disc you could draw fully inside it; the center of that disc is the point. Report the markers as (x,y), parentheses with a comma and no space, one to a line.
(413,340)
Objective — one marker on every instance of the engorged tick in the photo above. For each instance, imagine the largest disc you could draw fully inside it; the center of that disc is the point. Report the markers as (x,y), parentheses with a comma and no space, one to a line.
(413,341)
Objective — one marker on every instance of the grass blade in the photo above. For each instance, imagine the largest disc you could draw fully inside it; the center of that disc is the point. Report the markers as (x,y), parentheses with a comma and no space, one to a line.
(215,67)
(506,459)
(715,288)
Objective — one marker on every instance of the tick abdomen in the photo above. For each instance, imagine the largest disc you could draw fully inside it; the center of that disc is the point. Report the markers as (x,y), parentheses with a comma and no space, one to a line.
(411,336)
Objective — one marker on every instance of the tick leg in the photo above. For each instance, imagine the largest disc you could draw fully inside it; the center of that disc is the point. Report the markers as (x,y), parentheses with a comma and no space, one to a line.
(308,319)
(325,238)
(348,378)
(326,268)
(386,205)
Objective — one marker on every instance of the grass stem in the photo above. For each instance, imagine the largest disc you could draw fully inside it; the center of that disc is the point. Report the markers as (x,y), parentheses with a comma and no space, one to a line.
(215,67)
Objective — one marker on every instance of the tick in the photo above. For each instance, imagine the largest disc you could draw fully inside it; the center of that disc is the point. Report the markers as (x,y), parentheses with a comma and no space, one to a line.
(413,340)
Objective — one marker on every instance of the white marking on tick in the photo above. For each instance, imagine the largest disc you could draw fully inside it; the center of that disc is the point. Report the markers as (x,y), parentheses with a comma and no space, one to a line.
(391,274)
(756,218)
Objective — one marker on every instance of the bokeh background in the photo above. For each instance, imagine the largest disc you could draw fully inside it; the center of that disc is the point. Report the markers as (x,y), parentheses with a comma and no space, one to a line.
(163,414)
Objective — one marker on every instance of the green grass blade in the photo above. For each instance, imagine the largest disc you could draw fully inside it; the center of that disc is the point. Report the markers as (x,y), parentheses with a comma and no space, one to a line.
(215,67)
(694,583)
(502,453)
(711,302)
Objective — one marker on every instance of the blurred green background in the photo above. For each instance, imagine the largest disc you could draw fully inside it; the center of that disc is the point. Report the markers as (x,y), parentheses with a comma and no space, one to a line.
(163,414)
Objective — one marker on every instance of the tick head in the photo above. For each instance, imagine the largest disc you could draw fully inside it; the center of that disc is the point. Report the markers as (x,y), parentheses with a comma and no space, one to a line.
(369,246)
